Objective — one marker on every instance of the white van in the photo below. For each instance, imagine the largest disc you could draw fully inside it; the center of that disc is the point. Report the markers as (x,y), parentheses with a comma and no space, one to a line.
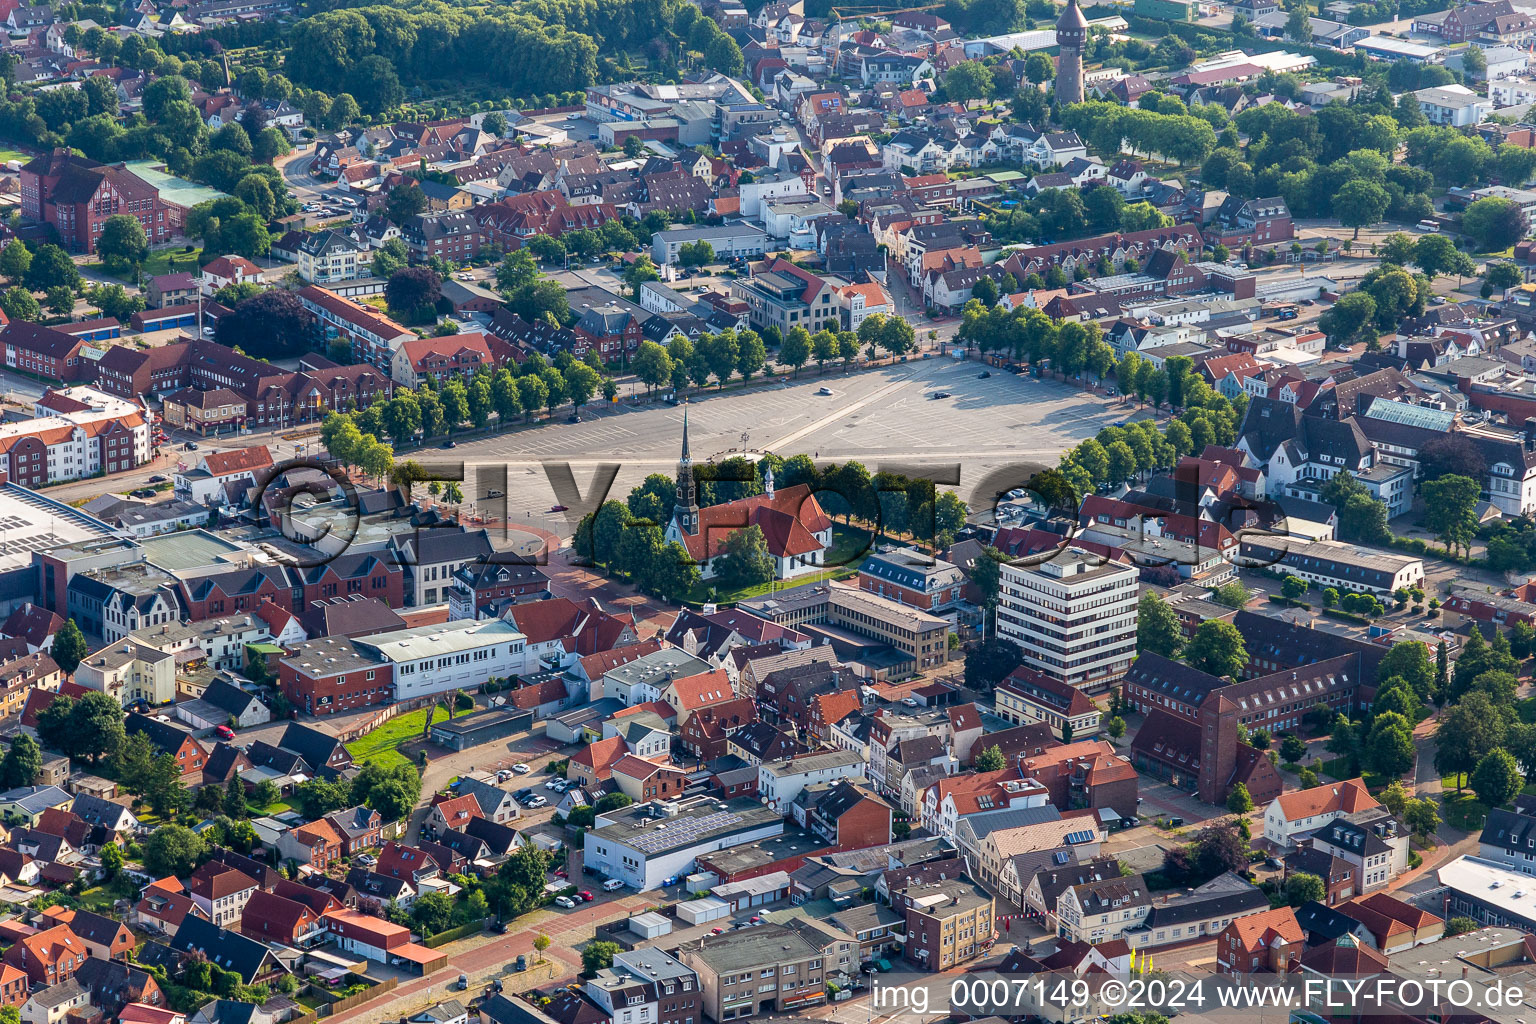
(613,885)
(1428,225)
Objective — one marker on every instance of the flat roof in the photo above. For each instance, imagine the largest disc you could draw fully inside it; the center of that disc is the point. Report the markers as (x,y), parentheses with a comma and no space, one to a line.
(445,638)
(176,190)
(488,718)
(792,843)
(30,522)
(193,549)
(692,826)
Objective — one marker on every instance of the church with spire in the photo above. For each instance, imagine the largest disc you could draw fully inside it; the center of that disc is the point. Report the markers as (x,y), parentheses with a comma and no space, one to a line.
(796,530)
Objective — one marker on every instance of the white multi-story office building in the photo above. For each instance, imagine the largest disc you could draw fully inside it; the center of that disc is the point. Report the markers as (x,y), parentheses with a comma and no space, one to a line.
(1074,617)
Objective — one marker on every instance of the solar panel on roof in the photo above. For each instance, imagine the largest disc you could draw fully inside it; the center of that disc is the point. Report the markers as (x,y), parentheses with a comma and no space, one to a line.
(1062,856)
(1074,838)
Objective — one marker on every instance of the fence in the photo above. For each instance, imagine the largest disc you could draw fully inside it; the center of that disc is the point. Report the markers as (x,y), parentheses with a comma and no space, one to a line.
(358,999)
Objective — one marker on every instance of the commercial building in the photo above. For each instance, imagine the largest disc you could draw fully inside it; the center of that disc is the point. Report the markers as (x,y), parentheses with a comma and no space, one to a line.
(1074,618)
(74,433)
(907,576)
(374,337)
(337,674)
(479,727)
(909,640)
(729,242)
(767,969)
(949,922)
(1329,563)
(647,845)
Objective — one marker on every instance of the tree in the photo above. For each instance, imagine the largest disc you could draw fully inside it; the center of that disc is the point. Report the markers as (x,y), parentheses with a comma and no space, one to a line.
(404,202)
(1450,510)
(1347,320)
(1494,223)
(1497,779)
(1360,203)
(1437,254)
(796,349)
(413,291)
(969,80)
(989,662)
(1293,748)
(50,267)
(1469,729)
(433,912)
(695,254)
(1421,818)
(1115,727)
(22,763)
(111,864)
(123,243)
(744,560)
(1239,801)
(1450,454)
(639,272)
(1217,649)
(598,956)
(172,850)
(1408,660)
(1389,747)
(1499,277)
(15,260)
(989,760)
(390,257)
(69,646)
(540,944)
(1303,887)
(112,300)
(1293,587)
(18,304)
(1233,595)
(1157,626)
(272,325)
(234,797)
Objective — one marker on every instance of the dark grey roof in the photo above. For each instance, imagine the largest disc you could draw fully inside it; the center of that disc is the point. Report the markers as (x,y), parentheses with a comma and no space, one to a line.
(230,950)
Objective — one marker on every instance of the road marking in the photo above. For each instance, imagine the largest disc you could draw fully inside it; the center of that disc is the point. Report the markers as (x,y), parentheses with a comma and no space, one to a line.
(840,413)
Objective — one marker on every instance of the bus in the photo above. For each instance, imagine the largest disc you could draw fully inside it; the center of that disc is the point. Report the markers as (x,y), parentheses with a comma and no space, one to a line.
(1429,225)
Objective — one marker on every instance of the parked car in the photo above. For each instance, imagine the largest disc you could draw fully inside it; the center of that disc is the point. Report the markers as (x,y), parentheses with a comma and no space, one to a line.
(224,732)
(940,394)
(367,860)
(613,885)
(537,800)
(823,391)
(520,769)
(157,479)
(585,896)
(984,374)
(566,902)
(523,793)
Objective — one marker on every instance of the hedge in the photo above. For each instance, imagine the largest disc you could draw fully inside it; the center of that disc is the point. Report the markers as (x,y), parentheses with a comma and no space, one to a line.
(462,931)
(1339,613)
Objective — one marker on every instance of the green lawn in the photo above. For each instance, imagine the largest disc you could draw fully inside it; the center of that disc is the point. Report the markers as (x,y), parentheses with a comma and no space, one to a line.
(160,262)
(381,745)
(1465,812)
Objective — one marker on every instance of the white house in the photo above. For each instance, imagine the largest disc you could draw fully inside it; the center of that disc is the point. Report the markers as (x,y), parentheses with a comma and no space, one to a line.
(1291,816)
(1453,105)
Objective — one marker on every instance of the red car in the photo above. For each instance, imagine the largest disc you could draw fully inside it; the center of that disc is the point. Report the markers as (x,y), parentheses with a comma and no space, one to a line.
(585,896)
(224,732)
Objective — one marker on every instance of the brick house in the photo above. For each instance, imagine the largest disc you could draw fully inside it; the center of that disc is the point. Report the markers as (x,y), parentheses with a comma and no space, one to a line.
(441,359)
(331,675)
(365,574)
(272,918)
(316,843)
(454,237)
(77,195)
(1262,943)
(610,329)
(49,956)
(167,739)
(1087,774)
(848,816)
(43,352)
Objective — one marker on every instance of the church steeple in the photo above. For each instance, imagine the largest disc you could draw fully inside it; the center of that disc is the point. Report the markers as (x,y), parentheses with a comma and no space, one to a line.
(686,509)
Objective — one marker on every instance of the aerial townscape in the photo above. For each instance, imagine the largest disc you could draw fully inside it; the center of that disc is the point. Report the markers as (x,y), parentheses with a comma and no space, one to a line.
(692,511)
